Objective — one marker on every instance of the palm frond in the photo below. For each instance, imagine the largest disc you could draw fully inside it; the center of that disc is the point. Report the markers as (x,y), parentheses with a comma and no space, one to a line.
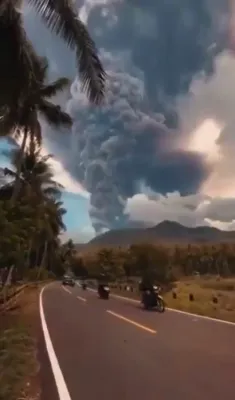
(55,184)
(53,88)
(43,69)
(9,173)
(44,159)
(19,63)
(52,193)
(54,114)
(61,17)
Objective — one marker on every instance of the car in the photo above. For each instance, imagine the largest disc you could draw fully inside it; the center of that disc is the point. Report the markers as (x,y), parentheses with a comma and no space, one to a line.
(68,280)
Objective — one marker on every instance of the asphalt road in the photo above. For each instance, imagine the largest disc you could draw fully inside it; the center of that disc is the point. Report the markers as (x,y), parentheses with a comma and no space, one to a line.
(112,349)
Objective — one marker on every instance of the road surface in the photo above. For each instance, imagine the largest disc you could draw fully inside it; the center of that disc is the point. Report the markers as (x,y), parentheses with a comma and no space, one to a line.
(111,349)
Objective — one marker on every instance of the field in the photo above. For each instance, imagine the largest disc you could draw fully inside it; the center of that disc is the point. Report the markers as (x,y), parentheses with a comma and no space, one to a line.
(18,362)
(213,297)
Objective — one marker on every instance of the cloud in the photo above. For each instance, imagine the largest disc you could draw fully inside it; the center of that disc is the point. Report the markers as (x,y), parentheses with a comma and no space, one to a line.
(123,143)
(80,235)
(63,176)
(114,151)
(194,210)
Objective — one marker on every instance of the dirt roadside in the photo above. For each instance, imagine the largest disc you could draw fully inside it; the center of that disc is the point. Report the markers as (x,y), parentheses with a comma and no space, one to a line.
(20,342)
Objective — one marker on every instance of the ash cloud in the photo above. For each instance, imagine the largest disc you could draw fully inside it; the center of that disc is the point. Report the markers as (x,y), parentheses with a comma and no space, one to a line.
(171,41)
(153,52)
(162,48)
(122,144)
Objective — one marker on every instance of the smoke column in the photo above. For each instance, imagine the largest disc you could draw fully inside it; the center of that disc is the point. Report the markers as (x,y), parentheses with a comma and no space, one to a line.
(152,51)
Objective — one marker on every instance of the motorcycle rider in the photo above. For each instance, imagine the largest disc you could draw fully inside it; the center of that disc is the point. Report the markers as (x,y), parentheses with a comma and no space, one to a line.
(102,281)
(146,284)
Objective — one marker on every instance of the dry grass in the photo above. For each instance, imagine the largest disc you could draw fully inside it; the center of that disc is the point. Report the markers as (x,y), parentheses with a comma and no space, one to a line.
(204,291)
(18,361)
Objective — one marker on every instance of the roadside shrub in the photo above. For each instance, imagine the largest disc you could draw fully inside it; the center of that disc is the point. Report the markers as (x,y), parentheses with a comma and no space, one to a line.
(191,297)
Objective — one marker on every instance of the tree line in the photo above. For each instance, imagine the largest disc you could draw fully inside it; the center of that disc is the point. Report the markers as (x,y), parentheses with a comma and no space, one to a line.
(31,225)
(31,210)
(161,263)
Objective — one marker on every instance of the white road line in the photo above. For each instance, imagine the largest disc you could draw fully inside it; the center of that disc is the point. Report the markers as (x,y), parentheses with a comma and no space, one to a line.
(81,298)
(62,389)
(174,310)
(67,290)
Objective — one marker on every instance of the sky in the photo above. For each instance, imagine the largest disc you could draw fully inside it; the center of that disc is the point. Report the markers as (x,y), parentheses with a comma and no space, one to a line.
(125,164)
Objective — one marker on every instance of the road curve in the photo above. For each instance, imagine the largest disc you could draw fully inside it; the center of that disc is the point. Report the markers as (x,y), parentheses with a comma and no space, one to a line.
(113,349)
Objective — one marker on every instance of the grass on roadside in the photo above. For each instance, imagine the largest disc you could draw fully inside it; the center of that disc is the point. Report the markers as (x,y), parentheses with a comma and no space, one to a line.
(18,362)
(212,297)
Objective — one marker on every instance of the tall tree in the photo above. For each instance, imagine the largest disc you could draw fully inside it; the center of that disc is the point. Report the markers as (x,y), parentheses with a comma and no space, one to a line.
(35,176)
(24,119)
(31,226)
(19,65)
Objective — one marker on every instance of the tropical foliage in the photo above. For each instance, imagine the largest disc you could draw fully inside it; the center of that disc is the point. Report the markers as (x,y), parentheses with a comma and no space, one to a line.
(31,214)
(30,227)
(21,74)
(159,263)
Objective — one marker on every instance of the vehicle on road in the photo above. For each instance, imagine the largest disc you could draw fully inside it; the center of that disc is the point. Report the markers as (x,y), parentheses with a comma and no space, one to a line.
(68,280)
(84,285)
(151,298)
(103,291)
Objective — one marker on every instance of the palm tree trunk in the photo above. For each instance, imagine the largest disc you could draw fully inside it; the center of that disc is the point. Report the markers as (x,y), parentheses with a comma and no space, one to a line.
(6,286)
(19,167)
(27,262)
(43,259)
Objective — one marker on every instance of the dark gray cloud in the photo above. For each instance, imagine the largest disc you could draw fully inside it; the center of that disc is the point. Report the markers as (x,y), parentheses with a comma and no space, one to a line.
(124,143)
(171,42)
(153,52)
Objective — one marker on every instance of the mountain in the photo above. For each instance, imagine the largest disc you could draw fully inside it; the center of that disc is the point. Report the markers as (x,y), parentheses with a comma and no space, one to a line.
(166,231)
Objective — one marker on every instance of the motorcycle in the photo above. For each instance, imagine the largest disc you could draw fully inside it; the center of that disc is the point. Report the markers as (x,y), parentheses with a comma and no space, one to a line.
(152,299)
(84,286)
(103,291)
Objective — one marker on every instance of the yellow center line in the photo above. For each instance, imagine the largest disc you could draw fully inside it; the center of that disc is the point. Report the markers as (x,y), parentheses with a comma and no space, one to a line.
(66,290)
(81,298)
(145,328)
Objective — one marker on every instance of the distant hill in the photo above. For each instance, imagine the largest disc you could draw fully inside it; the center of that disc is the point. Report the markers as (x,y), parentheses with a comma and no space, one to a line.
(166,231)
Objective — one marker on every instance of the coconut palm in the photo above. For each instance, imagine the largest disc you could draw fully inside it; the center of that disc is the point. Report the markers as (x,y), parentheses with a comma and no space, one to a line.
(51,226)
(19,65)
(38,207)
(24,119)
(35,176)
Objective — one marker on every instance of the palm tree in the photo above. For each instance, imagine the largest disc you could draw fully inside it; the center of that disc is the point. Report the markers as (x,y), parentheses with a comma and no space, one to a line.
(52,226)
(24,119)
(35,176)
(38,207)
(20,66)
